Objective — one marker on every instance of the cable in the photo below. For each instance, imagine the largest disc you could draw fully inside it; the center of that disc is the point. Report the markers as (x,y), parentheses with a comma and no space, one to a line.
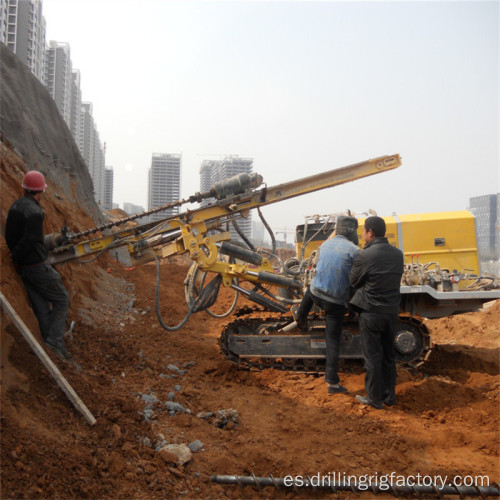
(191,308)
(243,235)
(269,230)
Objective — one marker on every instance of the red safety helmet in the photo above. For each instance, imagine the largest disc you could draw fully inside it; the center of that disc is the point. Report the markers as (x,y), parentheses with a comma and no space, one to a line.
(34,181)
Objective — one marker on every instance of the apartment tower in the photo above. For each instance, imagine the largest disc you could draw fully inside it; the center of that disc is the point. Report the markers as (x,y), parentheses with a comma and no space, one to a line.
(212,171)
(164,183)
(486,210)
(22,29)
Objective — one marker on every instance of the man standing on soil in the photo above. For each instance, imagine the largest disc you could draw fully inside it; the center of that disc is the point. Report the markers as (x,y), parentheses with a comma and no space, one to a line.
(24,235)
(376,279)
(330,290)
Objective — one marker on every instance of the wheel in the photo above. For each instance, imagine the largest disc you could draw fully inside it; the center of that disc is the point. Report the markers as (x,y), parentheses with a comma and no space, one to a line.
(408,342)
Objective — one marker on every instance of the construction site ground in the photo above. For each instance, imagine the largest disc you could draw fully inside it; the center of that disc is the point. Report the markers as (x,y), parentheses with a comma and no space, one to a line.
(445,422)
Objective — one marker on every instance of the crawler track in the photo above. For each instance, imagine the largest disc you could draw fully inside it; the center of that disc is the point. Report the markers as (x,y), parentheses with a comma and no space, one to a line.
(260,343)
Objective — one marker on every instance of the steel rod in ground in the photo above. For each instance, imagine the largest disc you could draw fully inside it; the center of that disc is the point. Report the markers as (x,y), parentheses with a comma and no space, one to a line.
(309,483)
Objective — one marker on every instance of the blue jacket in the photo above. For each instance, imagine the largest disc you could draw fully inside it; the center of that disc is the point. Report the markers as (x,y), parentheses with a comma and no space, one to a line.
(331,281)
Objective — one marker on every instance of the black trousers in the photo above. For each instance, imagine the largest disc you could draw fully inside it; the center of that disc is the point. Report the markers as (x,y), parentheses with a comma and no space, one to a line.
(49,300)
(334,316)
(377,337)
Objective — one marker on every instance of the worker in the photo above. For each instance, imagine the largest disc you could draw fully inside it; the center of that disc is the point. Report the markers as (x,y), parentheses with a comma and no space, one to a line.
(24,235)
(330,290)
(375,279)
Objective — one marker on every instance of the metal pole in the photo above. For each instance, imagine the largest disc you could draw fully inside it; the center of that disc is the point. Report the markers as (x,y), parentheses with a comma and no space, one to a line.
(308,482)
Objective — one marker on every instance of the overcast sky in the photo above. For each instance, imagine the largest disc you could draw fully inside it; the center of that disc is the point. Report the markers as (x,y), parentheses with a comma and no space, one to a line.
(300,87)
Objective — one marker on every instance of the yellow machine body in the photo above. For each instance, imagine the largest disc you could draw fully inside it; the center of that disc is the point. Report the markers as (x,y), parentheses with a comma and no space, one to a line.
(448,238)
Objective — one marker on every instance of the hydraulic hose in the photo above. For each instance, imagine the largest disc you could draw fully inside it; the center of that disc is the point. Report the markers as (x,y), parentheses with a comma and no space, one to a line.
(191,307)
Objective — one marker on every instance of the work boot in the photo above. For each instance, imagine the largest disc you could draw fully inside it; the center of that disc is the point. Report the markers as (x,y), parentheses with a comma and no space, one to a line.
(336,389)
(60,351)
(301,323)
(364,400)
(389,399)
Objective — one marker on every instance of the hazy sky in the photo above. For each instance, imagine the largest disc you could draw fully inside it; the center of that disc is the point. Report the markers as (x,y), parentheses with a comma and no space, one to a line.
(300,87)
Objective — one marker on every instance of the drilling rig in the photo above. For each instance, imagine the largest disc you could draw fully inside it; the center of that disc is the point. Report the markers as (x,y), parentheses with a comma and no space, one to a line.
(262,336)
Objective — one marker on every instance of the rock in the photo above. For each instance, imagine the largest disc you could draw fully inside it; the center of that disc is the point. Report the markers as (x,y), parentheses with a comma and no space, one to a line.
(176,472)
(160,444)
(195,446)
(117,433)
(205,415)
(148,413)
(150,398)
(177,388)
(172,367)
(167,456)
(226,416)
(171,396)
(171,406)
(189,364)
(183,453)
(146,442)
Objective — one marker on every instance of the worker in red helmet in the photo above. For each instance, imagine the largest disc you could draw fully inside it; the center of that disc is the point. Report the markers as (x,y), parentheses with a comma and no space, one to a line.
(25,239)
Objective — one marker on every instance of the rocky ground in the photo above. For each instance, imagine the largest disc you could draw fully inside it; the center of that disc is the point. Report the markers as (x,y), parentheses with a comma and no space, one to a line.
(149,388)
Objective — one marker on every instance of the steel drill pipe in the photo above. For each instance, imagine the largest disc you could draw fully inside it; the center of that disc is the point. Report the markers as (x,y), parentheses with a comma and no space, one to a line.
(306,482)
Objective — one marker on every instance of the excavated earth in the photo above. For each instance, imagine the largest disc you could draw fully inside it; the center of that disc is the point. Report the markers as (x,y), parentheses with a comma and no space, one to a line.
(126,367)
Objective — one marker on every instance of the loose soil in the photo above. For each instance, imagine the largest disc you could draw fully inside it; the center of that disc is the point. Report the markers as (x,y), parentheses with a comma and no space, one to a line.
(445,422)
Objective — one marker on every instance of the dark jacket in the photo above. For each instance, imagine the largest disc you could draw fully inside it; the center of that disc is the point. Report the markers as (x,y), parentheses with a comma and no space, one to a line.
(376,277)
(24,232)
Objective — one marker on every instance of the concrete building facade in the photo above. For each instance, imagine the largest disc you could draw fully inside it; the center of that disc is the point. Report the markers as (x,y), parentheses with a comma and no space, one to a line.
(108,188)
(76,104)
(4,17)
(22,29)
(486,210)
(59,78)
(212,171)
(164,183)
(92,151)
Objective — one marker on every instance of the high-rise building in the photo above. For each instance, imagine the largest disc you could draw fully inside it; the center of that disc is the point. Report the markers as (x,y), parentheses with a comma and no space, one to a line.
(108,188)
(4,16)
(208,171)
(212,171)
(486,210)
(92,151)
(132,209)
(76,104)
(164,183)
(22,29)
(59,77)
